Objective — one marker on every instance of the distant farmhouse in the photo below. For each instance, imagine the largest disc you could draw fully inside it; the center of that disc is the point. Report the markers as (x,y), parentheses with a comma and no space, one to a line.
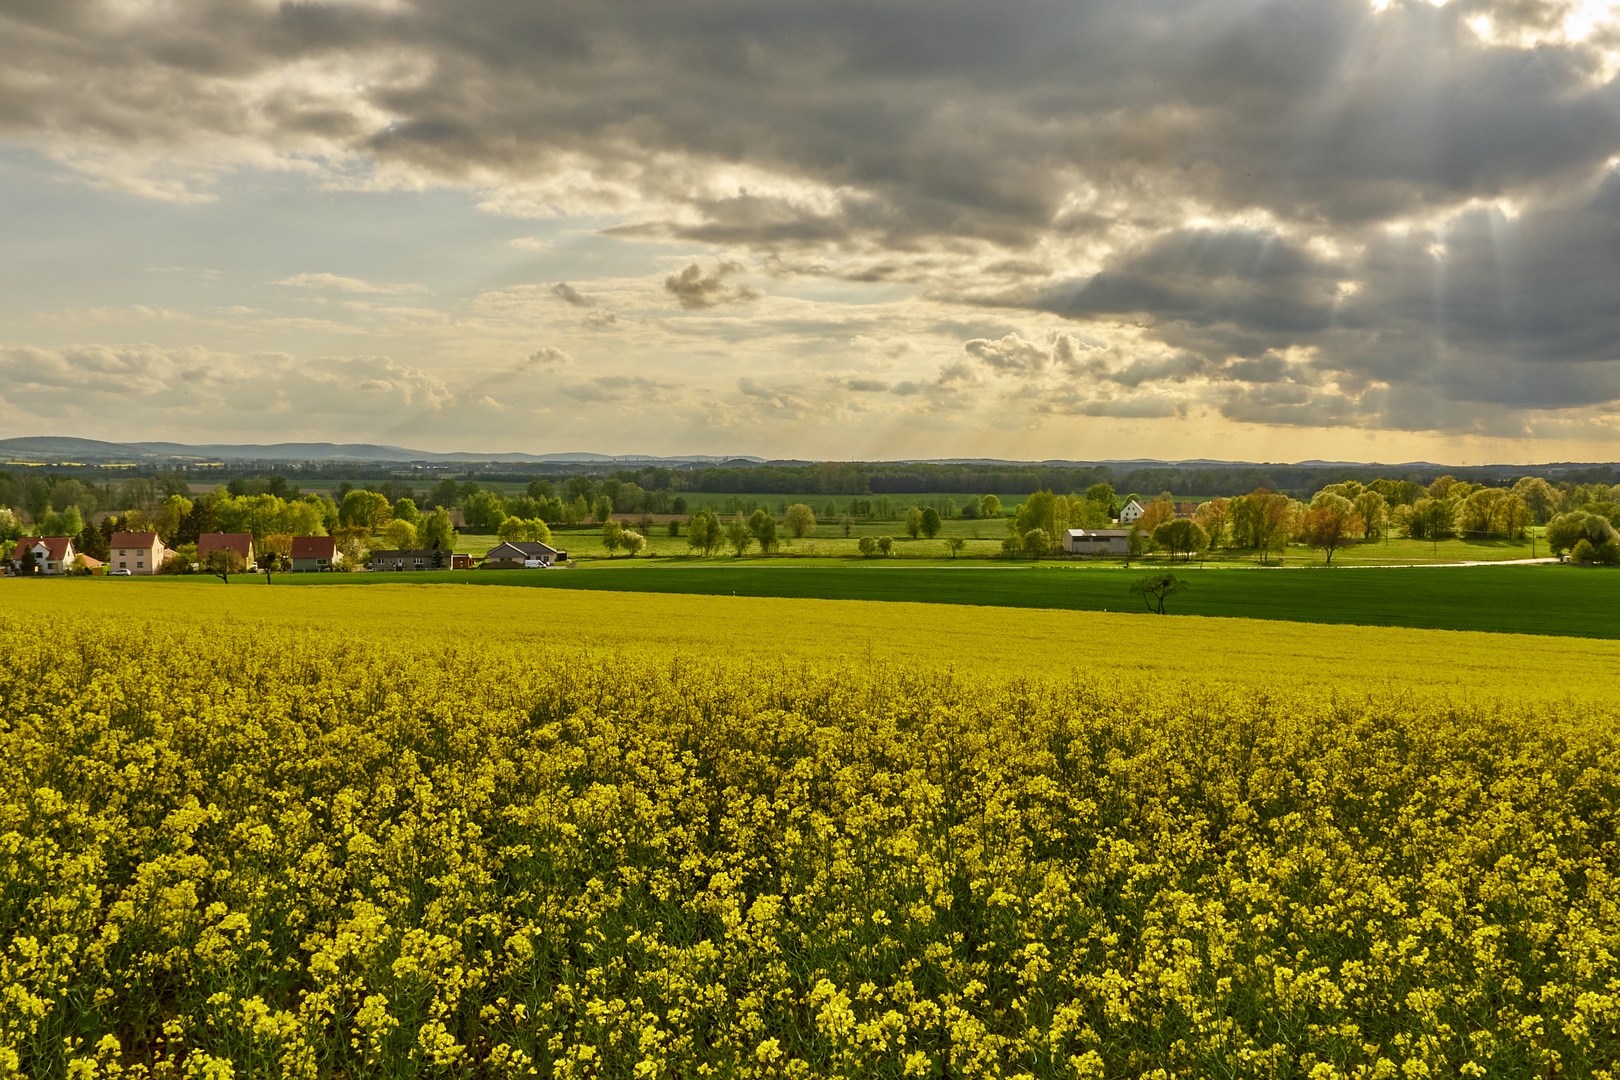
(517,554)
(1097,541)
(1132,511)
(313,554)
(53,555)
(414,559)
(138,552)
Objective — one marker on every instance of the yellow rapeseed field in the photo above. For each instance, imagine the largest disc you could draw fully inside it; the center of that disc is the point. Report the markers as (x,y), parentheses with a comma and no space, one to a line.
(410,840)
(1130,647)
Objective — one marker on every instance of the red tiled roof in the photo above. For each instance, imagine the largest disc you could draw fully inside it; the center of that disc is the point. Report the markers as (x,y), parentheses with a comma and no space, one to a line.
(56,545)
(133,540)
(313,547)
(208,543)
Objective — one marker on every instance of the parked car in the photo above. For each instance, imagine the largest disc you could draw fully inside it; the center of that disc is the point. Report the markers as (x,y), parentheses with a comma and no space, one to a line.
(120,573)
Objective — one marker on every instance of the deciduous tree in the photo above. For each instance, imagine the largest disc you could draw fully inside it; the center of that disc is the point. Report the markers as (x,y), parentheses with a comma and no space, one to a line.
(738,536)
(800,520)
(1180,537)
(1155,589)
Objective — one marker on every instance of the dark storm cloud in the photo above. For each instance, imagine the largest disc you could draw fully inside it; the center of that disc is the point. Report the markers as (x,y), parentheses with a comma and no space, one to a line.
(963,143)
(570,295)
(696,290)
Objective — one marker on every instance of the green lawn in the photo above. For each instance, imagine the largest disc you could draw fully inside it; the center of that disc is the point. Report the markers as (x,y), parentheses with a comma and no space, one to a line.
(1558,600)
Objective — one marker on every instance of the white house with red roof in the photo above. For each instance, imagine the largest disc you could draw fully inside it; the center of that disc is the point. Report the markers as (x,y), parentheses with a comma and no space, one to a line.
(138,552)
(314,553)
(53,555)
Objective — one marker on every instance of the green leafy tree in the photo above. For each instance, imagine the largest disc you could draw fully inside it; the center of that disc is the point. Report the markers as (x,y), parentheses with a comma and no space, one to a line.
(1541,497)
(1036,543)
(1329,524)
(612,536)
(603,510)
(1374,511)
(1180,537)
(435,531)
(914,523)
(956,544)
(405,510)
(1135,544)
(1583,552)
(364,509)
(1566,531)
(703,532)
(885,545)
(1103,496)
(28,565)
(931,523)
(762,526)
(1155,589)
(868,546)
(674,527)
(991,506)
(738,536)
(799,520)
(400,535)
(633,542)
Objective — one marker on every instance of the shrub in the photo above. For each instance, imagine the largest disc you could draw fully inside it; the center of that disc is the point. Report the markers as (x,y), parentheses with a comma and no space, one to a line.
(868,546)
(1583,551)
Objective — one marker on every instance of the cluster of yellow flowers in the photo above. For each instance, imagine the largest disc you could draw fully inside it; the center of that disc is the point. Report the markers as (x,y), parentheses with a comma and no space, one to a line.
(254,852)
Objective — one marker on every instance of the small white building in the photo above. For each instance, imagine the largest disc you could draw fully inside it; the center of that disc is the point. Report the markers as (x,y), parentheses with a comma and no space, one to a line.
(1132,511)
(1097,541)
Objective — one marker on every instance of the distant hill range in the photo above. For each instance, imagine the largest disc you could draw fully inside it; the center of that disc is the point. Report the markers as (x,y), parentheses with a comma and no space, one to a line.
(54,449)
(58,450)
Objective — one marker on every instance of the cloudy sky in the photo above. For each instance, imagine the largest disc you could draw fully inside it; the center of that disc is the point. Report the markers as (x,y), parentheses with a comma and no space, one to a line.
(817,228)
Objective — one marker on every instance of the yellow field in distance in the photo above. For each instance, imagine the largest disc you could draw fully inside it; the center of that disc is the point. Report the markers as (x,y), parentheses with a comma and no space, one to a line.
(975,641)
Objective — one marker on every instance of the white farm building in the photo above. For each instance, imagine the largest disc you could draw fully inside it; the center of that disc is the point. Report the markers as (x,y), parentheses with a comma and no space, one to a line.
(1097,541)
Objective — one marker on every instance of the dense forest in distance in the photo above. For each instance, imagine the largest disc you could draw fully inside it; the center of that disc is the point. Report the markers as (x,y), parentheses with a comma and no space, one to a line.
(825,478)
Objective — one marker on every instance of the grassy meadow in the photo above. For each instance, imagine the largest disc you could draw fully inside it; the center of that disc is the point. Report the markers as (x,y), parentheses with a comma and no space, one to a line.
(451,831)
(983,541)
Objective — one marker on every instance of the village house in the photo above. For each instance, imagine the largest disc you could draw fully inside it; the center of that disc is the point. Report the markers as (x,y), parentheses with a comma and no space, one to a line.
(1097,541)
(1186,510)
(414,559)
(138,552)
(241,543)
(517,554)
(314,554)
(53,555)
(1133,510)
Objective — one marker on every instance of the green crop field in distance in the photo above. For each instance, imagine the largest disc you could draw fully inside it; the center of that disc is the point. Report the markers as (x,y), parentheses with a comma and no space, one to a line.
(1546,599)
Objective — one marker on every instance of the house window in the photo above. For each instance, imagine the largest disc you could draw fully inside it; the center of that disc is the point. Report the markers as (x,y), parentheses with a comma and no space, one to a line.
(138,565)
(120,551)
(121,563)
